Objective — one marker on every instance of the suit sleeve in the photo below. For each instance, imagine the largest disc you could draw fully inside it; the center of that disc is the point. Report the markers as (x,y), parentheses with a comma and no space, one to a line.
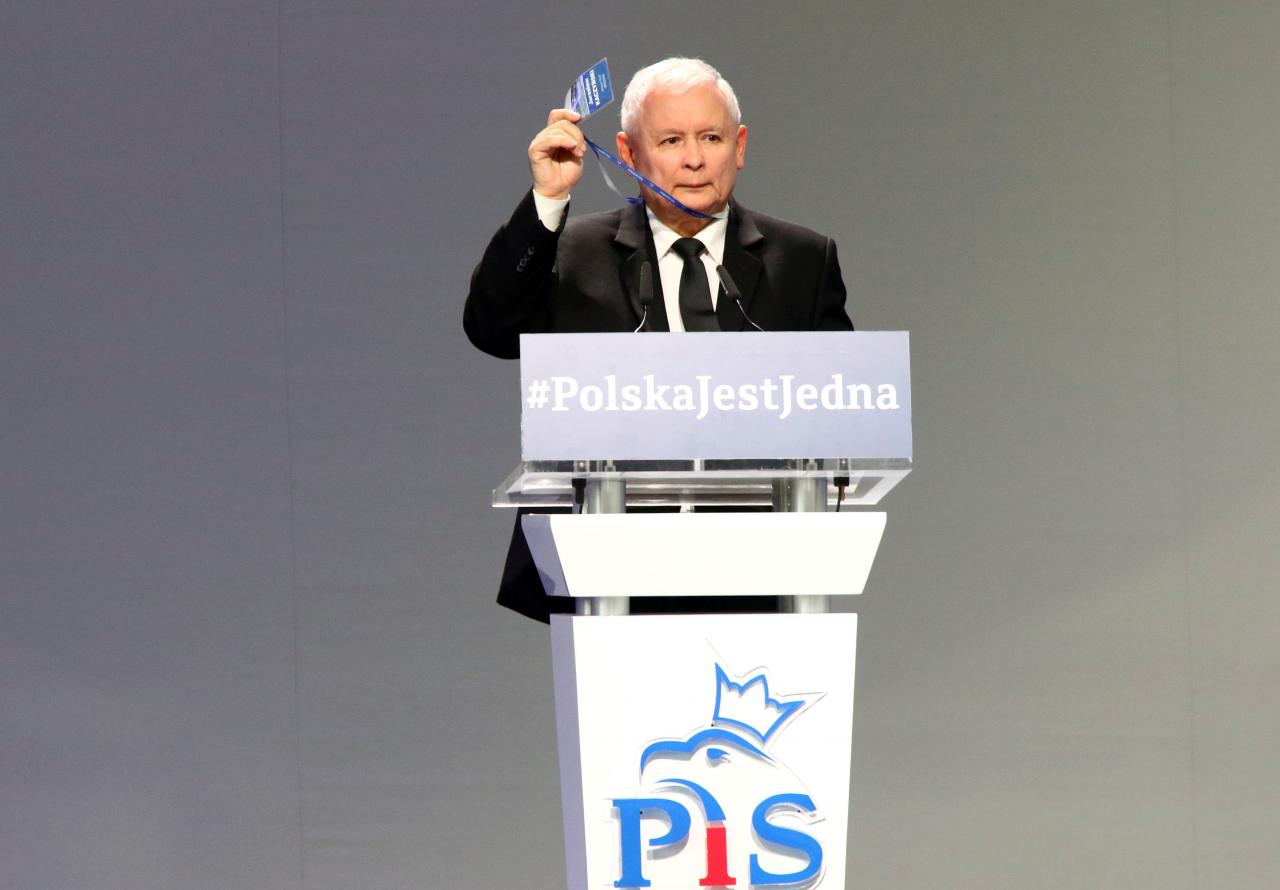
(829,309)
(511,287)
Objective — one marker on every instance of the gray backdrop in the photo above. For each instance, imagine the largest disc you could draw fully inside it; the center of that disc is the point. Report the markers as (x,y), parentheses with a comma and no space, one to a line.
(247,636)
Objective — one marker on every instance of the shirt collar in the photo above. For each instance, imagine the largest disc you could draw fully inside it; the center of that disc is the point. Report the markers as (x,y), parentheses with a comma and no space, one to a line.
(712,237)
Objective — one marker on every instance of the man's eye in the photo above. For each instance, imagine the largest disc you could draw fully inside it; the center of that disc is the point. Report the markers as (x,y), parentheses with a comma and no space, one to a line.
(713,137)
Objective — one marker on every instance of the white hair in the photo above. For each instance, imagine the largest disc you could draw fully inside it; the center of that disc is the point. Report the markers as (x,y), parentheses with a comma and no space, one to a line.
(674,75)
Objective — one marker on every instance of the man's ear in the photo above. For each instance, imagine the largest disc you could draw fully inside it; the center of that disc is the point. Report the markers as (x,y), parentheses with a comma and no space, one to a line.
(624,149)
(741,147)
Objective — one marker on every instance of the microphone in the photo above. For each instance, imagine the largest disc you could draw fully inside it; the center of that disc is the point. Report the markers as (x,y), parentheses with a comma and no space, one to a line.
(731,291)
(646,294)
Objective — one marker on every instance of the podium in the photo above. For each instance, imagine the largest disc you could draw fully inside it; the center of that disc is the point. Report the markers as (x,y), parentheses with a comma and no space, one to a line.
(707,750)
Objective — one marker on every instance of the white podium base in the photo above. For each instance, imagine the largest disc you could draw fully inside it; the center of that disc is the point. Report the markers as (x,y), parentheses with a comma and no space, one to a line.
(705,746)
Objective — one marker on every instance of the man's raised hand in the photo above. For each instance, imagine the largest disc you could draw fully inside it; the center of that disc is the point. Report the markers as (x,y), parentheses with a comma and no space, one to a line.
(556,153)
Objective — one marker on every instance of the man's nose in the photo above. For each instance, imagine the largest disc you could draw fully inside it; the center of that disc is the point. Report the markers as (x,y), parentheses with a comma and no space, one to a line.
(693,156)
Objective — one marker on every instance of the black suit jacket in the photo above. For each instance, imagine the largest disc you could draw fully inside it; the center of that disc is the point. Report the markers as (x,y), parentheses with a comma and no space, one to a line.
(585,278)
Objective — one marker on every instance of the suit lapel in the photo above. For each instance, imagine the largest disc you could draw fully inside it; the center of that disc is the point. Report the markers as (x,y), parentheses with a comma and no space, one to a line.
(636,243)
(744,267)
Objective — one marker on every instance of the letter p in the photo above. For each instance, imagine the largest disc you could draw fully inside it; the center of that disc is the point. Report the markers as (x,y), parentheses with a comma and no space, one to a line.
(565,389)
(630,812)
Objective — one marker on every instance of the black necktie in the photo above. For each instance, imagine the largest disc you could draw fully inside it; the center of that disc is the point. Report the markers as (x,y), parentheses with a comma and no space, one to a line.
(695,295)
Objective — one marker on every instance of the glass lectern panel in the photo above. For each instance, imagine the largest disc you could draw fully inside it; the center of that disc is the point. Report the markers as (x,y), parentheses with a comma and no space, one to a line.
(699,483)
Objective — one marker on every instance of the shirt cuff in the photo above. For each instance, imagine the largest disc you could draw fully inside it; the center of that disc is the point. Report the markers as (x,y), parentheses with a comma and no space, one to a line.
(550,210)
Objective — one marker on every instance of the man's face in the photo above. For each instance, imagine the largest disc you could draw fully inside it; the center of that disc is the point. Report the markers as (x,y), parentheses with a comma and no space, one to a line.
(688,144)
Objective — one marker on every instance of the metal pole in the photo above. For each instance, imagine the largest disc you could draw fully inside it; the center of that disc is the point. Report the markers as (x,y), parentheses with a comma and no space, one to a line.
(806,494)
(604,496)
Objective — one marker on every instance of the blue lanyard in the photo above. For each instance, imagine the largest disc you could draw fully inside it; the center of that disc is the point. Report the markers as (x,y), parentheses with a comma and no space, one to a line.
(635,174)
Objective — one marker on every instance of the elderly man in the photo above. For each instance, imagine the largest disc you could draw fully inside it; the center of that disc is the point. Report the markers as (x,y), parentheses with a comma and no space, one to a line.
(544,272)
(681,128)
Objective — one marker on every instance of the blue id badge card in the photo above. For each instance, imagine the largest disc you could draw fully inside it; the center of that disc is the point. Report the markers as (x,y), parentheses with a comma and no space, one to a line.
(592,90)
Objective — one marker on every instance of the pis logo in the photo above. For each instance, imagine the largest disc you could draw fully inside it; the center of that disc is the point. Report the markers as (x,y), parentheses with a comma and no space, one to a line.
(753,815)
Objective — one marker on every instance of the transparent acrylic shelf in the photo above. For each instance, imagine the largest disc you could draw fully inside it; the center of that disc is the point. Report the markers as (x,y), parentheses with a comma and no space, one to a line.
(719,483)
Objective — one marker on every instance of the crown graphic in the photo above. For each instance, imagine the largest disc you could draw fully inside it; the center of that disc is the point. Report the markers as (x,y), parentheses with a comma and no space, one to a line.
(747,705)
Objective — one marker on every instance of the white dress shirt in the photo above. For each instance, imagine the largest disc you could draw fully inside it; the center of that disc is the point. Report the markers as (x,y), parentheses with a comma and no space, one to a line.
(551,211)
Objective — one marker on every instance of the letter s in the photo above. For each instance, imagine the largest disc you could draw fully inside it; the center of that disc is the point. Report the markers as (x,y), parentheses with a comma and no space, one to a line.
(778,836)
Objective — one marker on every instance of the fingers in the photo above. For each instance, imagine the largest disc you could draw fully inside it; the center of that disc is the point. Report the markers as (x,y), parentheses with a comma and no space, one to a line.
(563,114)
(556,153)
(557,140)
(560,135)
